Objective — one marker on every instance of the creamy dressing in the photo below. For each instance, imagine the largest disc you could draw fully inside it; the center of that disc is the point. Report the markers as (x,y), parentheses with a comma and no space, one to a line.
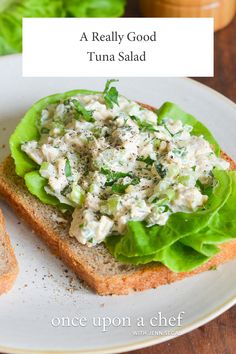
(119,164)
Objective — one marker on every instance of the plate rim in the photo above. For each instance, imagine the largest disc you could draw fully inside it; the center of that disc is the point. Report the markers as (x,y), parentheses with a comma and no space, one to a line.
(157,339)
(136,345)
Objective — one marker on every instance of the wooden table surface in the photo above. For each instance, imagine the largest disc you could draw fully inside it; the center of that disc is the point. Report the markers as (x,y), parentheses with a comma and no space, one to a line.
(218,336)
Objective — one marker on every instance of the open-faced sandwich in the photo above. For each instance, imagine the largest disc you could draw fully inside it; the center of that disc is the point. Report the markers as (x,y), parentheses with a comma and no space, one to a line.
(129,196)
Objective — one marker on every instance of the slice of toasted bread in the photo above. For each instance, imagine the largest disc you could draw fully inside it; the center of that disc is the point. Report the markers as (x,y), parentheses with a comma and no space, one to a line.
(94,265)
(8,263)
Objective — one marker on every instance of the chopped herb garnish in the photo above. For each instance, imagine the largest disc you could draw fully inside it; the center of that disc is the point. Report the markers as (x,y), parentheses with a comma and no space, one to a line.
(121,188)
(66,190)
(68,171)
(165,208)
(45,130)
(162,171)
(168,130)
(135,181)
(112,176)
(110,94)
(204,188)
(143,124)
(158,201)
(66,102)
(83,112)
(146,160)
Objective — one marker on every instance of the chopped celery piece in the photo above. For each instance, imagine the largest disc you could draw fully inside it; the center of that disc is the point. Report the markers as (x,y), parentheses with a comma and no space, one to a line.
(184,180)
(111,205)
(77,195)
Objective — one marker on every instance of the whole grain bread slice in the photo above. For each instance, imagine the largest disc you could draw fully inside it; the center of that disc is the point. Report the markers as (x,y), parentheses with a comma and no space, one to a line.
(94,265)
(8,262)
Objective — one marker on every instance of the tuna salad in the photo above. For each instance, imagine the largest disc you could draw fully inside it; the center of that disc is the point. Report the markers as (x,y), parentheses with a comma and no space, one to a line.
(113,161)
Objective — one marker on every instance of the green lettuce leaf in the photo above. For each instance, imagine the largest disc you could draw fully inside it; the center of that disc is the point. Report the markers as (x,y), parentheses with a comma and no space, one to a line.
(35,184)
(180,258)
(13,11)
(187,240)
(204,241)
(224,222)
(27,131)
(94,8)
(171,110)
(11,14)
(177,257)
(141,241)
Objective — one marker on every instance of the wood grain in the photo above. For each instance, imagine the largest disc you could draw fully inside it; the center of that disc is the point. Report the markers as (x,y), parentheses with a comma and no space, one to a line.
(218,336)
(224,80)
(222,10)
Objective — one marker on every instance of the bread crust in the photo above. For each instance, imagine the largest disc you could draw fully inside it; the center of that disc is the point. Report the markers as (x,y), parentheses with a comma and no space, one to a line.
(131,278)
(8,277)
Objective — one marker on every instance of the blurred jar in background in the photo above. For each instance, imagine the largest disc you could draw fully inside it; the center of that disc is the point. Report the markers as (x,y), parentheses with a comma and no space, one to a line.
(223,11)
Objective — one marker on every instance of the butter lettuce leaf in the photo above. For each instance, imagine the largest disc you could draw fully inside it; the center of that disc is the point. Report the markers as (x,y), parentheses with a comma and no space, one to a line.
(180,258)
(13,11)
(224,222)
(94,8)
(171,110)
(141,240)
(11,15)
(35,184)
(187,240)
(177,257)
(27,131)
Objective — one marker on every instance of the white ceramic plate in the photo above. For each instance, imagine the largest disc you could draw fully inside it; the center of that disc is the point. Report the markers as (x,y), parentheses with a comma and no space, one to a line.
(45,290)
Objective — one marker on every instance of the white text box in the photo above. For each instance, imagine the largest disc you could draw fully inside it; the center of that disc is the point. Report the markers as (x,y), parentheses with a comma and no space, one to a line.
(66,47)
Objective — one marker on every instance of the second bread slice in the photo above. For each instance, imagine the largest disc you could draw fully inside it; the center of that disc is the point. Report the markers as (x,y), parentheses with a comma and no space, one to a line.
(8,262)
